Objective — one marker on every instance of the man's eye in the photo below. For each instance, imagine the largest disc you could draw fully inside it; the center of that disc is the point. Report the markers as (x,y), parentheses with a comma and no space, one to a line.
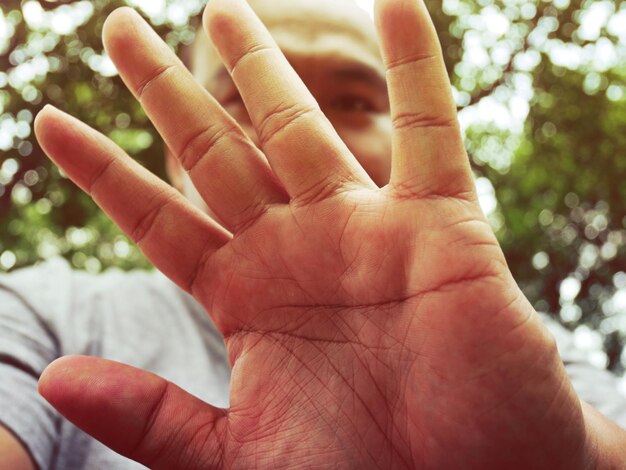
(353,104)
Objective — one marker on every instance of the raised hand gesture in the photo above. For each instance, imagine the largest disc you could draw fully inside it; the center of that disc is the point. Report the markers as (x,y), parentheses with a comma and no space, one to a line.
(367,327)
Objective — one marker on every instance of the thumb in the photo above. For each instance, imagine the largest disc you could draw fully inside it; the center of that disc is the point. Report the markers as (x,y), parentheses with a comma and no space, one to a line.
(136,413)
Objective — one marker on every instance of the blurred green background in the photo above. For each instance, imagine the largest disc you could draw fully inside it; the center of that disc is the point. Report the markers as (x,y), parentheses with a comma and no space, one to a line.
(541,91)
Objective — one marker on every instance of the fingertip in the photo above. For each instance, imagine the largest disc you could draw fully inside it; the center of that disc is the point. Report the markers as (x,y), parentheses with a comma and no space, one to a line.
(212,7)
(206,14)
(378,8)
(401,22)
(53,129)
(215,18)
(222,19)
(383,9)
(134,412)
(46,381)
(67,381)
(45,114)
(41,118)
(57,377)
(46,125)
(116,28)
(118,18)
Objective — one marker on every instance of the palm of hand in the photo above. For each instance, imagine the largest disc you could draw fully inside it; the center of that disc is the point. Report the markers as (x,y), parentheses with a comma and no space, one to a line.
(365,326)
(395,340)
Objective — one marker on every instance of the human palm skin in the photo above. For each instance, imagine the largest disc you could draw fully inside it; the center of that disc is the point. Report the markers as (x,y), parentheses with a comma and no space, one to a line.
(366,327)
(388,342)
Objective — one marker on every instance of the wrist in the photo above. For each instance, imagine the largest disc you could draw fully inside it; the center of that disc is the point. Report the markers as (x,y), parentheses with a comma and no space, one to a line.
(606,441)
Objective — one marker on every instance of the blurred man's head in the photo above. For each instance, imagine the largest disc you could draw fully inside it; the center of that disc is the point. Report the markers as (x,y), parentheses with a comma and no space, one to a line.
(333,46)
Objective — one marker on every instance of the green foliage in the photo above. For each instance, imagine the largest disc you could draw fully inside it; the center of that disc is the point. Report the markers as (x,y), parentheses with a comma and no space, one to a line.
(541,90)
(43,214)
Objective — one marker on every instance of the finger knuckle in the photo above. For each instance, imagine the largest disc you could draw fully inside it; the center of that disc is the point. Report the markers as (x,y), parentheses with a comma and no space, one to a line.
(138,450)
(282,117)
(422,120)
(153,78)
(248,53)
(202,143)
(148,221)
(411,59)
(99,176)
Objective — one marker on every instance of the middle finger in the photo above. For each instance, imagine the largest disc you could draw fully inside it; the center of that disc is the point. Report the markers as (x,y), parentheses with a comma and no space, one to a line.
(306,153)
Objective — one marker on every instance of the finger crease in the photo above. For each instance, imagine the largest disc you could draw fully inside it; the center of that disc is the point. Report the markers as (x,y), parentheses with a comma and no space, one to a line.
(144,85)
(97,176)
(153,415)
(250,215)
(407,191)
(200,263)
(283,119)
(422,120)
(147,222)
(201,144)
(253,50)
(410,59)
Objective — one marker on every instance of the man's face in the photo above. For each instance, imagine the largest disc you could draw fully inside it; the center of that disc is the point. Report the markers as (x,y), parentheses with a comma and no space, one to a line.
(333,47)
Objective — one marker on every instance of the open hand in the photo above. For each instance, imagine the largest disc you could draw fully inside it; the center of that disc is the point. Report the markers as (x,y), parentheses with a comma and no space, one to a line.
(366,327)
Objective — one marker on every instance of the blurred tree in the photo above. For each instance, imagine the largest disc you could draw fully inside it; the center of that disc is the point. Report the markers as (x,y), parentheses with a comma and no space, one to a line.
(541,90)
(52,53)
(559,179)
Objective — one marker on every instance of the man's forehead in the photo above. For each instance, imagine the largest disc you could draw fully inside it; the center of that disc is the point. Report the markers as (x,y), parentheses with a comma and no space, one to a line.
(334,29)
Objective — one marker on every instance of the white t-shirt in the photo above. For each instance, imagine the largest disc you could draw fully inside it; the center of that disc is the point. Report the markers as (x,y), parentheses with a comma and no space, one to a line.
(138,318)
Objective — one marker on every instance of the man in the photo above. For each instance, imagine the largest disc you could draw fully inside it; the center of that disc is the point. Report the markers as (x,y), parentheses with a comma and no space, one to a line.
(365,326)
